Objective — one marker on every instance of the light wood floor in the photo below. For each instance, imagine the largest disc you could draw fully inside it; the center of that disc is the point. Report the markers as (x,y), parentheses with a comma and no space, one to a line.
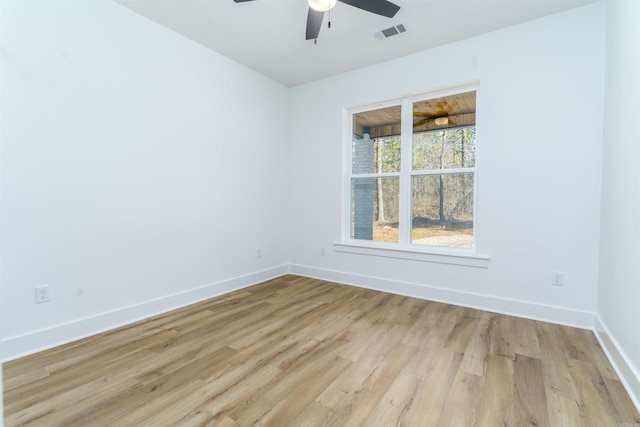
(301,352)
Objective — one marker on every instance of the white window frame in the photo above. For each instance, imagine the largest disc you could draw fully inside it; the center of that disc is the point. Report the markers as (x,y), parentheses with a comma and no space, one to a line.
(404,249)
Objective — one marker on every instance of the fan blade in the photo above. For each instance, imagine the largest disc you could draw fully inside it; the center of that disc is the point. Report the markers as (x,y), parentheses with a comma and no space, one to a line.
(421,122)
(314,23)
(379,7)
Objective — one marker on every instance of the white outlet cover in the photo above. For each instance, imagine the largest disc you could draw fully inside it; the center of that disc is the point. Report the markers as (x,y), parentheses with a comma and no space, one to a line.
(557,278)
(42,294)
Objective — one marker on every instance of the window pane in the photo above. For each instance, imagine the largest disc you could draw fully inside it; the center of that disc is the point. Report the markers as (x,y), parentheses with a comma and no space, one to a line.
(442,210)
(445,112)
(444,149)
(376,141)
(374,209)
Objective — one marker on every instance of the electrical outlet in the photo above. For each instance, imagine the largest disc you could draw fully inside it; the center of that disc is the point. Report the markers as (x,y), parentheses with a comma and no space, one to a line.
(259,253)
(323,252)
(42,294)
(557,278)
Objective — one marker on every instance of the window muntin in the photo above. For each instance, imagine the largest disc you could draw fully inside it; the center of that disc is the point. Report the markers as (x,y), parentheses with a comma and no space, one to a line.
(416,183)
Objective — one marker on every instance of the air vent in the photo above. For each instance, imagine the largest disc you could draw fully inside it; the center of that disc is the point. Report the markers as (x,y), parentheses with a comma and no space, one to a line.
(388,32)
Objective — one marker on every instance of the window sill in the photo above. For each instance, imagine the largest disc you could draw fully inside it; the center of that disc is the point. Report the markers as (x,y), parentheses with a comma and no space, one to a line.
(427,254)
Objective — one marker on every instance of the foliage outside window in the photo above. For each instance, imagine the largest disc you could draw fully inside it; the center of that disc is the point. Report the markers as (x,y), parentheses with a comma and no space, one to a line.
(412,172)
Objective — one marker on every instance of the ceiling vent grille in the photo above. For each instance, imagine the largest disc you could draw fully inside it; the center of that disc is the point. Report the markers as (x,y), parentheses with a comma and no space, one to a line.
(388,32)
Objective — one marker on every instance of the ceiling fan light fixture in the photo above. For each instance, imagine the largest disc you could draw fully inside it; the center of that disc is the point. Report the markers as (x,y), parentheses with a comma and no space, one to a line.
(442,121)
(322,5)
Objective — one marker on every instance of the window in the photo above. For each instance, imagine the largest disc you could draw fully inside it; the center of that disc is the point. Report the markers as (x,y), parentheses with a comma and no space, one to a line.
(412,173)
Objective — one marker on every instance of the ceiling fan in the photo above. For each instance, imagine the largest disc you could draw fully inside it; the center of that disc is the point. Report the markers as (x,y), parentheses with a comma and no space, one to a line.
(317,8)
(438,114)
(421,119)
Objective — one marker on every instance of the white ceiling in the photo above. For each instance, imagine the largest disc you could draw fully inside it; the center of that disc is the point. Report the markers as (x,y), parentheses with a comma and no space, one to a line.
(269,35)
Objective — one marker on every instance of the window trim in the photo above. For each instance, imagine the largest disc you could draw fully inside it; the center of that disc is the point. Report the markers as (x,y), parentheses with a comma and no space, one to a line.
(436,254)
(404,249)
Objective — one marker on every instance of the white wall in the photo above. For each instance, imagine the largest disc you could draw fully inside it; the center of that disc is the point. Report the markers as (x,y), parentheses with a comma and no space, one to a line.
(540,152)
(619,291)
(140,171)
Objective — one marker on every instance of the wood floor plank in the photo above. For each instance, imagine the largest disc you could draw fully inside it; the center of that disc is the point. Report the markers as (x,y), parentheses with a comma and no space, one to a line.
(358,377)
(462,401)
(31,405)
(583,342)
(205,399)
(462,331)
(396,402)
(477,350)
(355,411)
(625,409)
(316,414)
(504,337)
(592,394)
(527,341)
(305,393)
(270,406)
(530,398)
(295,351)
(432,396)
(496,406)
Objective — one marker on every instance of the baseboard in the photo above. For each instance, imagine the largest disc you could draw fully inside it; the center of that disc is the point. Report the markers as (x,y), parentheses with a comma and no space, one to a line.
(629,376)
(558,315)
(36,341)
(33,342)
